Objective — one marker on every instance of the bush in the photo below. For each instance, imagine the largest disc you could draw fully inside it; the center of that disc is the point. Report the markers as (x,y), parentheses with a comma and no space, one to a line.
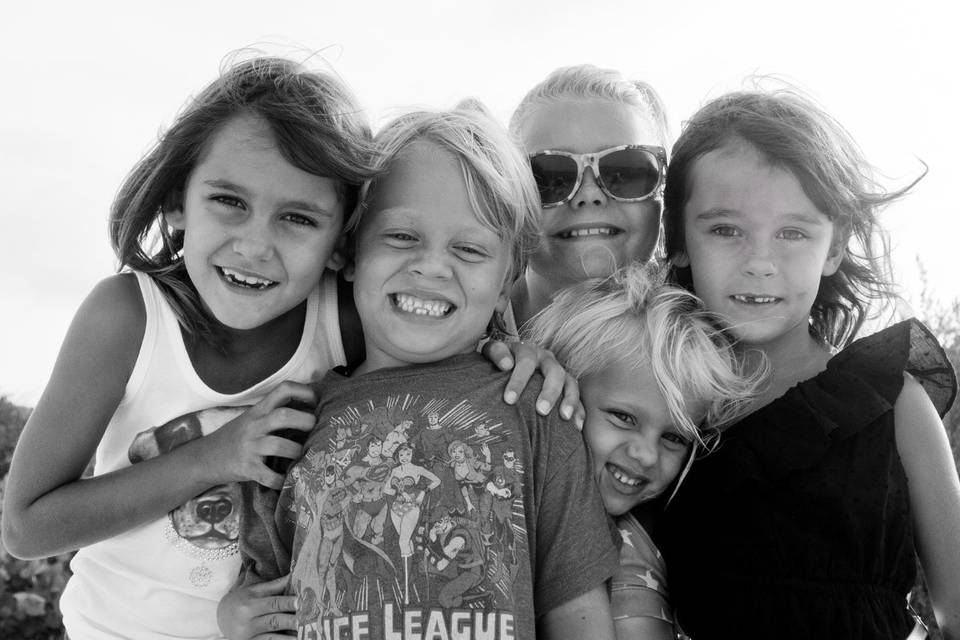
(29,589)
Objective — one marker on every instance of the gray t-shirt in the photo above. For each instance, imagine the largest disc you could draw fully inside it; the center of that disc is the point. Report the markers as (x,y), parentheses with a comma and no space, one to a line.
(424,506)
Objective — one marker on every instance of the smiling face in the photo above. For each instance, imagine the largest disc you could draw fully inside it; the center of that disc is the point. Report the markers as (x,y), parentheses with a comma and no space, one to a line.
(428,274)
(636,449)
(593,234)
(258,231)
(757,246)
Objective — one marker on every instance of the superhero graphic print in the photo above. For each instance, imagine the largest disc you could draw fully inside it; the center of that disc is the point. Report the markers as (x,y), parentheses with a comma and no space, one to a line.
(407,522)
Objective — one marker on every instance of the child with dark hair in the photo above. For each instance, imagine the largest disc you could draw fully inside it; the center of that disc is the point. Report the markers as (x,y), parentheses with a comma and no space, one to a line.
(805,521)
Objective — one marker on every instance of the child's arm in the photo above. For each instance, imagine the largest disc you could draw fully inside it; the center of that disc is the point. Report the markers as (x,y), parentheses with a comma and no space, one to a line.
(934,500)
(48,509)
(249,611)
(526,358)
(585,616)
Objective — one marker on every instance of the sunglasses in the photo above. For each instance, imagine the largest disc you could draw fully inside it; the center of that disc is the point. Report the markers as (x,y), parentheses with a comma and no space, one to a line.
(628,173)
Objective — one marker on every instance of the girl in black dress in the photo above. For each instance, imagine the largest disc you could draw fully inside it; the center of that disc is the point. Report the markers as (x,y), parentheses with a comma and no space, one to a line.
(805,520)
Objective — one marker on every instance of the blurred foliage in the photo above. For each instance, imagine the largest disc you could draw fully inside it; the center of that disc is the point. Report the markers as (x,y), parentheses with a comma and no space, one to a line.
(29,589)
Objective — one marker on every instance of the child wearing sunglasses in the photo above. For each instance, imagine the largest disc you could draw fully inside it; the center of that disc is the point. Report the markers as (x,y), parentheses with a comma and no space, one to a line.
(654,368)
(597,144)
(483,522)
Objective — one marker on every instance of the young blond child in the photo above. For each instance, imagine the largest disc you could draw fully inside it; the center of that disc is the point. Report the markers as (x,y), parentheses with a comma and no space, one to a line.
(597,144)
(658,376)
(485,522)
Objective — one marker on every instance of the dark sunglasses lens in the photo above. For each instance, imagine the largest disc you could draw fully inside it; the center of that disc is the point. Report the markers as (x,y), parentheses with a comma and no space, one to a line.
(555,177)
(630,173)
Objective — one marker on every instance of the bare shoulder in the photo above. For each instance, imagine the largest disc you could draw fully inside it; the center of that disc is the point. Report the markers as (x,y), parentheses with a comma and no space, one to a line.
(107,330)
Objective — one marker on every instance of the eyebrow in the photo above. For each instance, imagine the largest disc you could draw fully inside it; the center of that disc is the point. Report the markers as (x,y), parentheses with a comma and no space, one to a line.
(296,204)
(796,216)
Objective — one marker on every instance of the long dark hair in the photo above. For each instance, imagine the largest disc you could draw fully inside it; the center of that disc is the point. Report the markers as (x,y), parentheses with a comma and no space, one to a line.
(317,126)
(791,132)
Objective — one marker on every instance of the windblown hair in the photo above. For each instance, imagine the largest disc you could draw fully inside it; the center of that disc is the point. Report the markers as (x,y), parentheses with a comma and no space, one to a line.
(316,124)
(499,182)
(794,134)
(633,317)
(586,83)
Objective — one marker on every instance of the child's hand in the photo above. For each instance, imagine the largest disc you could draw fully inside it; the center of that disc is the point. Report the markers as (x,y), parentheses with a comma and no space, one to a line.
(238,450)
(259,611)
(524,359)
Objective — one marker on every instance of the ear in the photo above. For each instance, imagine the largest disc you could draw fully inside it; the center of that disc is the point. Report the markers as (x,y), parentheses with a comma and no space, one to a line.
(175,218)
(837,252)
(349,270)
(503,299)
(681,259)
(338,256)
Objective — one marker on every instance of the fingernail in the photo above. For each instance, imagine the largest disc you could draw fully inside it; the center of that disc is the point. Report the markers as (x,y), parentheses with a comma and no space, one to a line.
(510,397)
(505,363)
(566,411)
(579,423)
(543,407)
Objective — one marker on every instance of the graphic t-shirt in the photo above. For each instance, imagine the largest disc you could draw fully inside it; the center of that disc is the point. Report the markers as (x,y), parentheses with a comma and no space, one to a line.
(426,507)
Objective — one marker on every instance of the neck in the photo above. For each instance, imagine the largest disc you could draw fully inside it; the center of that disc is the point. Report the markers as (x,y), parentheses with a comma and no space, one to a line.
(791,360)
(530,295)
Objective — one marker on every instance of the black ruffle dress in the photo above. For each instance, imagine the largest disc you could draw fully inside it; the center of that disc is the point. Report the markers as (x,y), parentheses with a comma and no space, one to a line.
(798,525)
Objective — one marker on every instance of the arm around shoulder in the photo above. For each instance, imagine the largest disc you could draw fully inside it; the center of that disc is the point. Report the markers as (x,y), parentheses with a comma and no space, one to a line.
(62,433)
(934,499)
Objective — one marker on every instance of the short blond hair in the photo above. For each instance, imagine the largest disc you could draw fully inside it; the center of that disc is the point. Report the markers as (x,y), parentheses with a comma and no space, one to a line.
(632,316)
(500,185)
(586,82)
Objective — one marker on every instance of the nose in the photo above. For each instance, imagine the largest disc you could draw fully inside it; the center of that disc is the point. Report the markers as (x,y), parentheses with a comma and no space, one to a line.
(589,193)
(644,449)
(433,263)
(253,240)
(759,261)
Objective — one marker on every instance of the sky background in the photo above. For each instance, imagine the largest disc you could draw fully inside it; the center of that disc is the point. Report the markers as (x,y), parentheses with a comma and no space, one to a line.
(87,87)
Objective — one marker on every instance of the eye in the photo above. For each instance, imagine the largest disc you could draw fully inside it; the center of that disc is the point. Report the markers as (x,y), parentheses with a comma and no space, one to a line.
(725,231)
(621,419)
(792,234)
(400,239)
(300,219)
(675,441)
(471,253)
(227,200)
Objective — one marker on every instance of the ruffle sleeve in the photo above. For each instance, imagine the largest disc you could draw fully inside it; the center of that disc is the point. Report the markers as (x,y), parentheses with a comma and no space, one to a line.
(859,385)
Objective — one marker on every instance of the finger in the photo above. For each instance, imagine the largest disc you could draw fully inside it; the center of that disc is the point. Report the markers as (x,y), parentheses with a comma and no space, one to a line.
(274,622)
(570,403)
(280,446)
(270,587)
(498,353)
(287,392)
(519,378)
(579,416)
(269,478)
(287,418)
(554,381)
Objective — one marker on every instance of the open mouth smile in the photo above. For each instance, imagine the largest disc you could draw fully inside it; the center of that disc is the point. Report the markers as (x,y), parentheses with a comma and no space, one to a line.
(587,232)
(421,307)
(244,280)
(623,477)
(749,298)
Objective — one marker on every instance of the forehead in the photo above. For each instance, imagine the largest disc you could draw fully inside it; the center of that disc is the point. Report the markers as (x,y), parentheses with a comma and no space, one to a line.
(738,179)
(587,126)
(244,151)
(423,178)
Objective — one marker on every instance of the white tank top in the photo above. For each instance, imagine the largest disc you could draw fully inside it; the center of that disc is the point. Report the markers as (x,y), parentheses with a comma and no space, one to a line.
(165,579)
